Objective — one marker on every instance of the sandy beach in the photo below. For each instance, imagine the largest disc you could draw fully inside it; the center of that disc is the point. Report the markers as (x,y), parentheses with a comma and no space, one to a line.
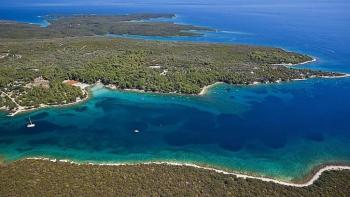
(206,88)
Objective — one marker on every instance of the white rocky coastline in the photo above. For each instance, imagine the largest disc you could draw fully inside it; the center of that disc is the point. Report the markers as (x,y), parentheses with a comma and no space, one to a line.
(307,182)
(290,64)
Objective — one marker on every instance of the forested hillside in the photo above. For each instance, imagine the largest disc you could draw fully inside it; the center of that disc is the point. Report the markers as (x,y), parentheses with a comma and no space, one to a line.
(145,65)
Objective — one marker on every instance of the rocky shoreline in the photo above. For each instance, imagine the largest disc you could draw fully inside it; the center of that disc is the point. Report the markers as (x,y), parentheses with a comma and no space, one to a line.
(52,177)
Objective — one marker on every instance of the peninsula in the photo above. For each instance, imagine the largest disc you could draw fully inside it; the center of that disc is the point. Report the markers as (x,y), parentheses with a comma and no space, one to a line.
(33,71)
(35,61)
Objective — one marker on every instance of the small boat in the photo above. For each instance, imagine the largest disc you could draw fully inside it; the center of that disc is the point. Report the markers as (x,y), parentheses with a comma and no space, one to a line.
(30,124)
(136,131)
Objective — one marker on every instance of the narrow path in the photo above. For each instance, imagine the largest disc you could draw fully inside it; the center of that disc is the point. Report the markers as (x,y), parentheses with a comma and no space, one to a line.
(12,99)
(19,107)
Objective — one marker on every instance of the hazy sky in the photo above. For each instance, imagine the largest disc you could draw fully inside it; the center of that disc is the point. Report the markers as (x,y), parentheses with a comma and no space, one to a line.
(118,2)
(100,2)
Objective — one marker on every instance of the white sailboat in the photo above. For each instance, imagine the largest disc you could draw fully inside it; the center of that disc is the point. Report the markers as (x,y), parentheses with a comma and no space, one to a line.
(30,124)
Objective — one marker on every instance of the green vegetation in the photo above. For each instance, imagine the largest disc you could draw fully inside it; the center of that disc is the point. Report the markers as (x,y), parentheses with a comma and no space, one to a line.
(92,25)
(145,65)
(35,60)
(45,178)
(13,30)
(58,93)
(133,24)
(6,103)
(271,57)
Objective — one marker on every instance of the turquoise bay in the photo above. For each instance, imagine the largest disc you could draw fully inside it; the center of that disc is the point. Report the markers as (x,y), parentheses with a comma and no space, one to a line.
(278,130)
(232,127)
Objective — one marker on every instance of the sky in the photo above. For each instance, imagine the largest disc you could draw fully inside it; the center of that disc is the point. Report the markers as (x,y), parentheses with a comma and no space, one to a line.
(100,2)
(130,2)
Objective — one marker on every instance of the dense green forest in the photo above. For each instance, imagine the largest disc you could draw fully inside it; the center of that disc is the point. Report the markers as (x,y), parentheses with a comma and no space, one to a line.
(58,93)
(5,102)
(35,60)
(92,25)
(45,178)
(145,65)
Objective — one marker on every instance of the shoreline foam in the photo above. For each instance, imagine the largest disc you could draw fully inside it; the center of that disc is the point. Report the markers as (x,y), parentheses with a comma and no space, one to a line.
(307,181)
(345,75)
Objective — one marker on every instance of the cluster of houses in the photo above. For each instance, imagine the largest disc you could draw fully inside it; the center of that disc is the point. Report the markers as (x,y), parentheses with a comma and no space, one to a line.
(39,82)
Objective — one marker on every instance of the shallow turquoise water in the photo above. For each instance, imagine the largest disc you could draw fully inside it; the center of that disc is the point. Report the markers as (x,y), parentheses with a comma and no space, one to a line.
(279,130)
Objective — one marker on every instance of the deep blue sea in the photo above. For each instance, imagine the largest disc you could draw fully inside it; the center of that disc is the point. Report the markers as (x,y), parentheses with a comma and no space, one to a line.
(279,130)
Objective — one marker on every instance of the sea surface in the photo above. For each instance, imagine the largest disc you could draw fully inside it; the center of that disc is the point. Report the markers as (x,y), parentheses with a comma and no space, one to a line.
(278,130)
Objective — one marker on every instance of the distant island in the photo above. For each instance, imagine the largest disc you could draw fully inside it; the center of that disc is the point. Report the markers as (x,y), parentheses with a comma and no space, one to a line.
(92,25)
(54,65)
